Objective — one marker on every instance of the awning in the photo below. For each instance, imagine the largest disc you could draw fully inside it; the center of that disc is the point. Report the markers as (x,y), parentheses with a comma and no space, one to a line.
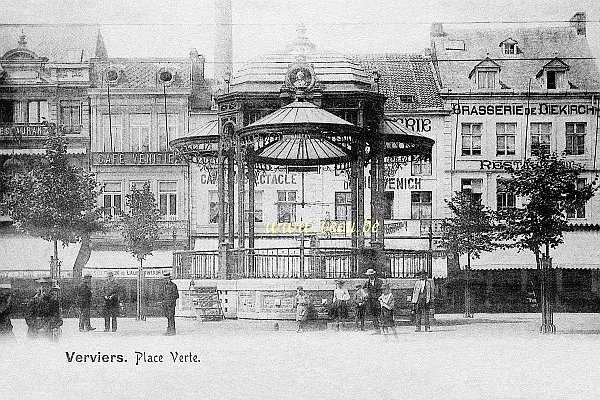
(124,265)
(22,252)
(580,250)
(73,150)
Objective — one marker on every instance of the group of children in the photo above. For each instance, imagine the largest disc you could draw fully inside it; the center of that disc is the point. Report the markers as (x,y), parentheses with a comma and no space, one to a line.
(382,306)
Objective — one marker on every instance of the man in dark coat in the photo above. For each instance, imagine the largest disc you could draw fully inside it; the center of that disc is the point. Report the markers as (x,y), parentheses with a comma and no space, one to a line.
(111,303)
(84,302)
(170,296)
(6,328)
(374,287)
(422,300)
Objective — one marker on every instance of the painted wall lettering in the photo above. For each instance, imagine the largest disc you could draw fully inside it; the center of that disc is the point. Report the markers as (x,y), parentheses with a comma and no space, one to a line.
(522,109)
(417,124)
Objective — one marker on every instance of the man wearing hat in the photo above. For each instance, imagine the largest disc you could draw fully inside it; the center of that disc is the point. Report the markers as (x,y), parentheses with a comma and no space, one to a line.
(6,328)
(373,286)
(84,302)
(170,296)
(422,299)
(111,303)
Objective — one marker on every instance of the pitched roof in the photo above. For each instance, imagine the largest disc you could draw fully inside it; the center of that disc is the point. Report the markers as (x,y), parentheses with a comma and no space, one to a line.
(142,73)
(537,46)
(60,44)
(404,75)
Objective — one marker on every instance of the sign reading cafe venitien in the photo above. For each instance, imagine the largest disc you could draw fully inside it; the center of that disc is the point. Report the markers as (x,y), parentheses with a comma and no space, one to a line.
(135,158)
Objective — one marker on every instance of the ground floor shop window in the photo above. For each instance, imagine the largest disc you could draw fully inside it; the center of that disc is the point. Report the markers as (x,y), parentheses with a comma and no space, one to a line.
(578,212)
(286,206)
(420,205)
(472,187)
(504,198)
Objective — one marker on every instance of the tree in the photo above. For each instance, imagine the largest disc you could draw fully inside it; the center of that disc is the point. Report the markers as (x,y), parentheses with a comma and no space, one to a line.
(549,188)
(470,230)
(140,231)
(55,201)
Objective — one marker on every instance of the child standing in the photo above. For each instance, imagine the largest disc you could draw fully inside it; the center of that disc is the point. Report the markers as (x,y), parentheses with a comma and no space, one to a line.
(386,300)
(360,306)
(340,302)
(301,301)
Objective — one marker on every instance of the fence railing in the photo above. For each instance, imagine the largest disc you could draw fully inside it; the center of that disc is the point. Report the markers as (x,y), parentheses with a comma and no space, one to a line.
(323,263)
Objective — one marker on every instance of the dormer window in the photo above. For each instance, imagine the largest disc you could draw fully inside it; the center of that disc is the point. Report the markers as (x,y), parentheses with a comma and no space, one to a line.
(509,46)
(486,75)
(555,74)
(486,79)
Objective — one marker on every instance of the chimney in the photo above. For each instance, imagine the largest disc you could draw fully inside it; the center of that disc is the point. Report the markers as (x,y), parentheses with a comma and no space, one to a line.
(223,40)
(437,30)
(200,98)
(578,22)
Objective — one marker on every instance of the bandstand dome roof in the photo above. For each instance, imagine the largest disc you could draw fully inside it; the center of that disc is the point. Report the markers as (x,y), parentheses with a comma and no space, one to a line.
(335,71)
(299,114)
(301,133)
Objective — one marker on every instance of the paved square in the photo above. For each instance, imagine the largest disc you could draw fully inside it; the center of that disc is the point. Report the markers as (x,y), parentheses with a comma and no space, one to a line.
(496,356)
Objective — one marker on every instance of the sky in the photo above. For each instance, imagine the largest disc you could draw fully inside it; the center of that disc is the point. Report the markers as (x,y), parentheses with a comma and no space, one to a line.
(163,28)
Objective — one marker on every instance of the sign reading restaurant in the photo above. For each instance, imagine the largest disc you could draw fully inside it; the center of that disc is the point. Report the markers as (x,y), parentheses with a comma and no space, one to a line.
(523,109)
(136,158)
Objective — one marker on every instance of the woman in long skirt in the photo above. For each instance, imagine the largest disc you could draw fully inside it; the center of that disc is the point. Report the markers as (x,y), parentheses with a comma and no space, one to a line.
(301,301)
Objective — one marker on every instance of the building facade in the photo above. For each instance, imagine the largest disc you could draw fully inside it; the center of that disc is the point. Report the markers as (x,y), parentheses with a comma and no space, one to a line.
(137,106)
(515,94)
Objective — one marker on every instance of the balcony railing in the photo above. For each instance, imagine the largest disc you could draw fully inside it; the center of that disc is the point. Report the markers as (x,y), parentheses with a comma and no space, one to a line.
(18,130)
(273,263)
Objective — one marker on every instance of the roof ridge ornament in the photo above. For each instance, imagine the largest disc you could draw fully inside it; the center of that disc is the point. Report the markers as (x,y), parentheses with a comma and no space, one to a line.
(22,42)
(301,45)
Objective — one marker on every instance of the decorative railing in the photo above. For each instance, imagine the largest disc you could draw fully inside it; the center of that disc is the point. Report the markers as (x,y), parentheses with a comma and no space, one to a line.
(274,263)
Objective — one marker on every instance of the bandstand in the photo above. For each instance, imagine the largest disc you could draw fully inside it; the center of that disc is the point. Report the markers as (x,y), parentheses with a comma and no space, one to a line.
(310,113)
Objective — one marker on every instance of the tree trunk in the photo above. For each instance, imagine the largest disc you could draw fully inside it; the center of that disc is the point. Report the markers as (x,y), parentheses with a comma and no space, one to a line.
(468,313)
(85,251)
(140,295)
(547,313)
(54,264)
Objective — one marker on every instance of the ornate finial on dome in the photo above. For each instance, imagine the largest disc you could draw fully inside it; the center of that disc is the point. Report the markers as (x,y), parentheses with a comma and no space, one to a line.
(301,44)
(22,42)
